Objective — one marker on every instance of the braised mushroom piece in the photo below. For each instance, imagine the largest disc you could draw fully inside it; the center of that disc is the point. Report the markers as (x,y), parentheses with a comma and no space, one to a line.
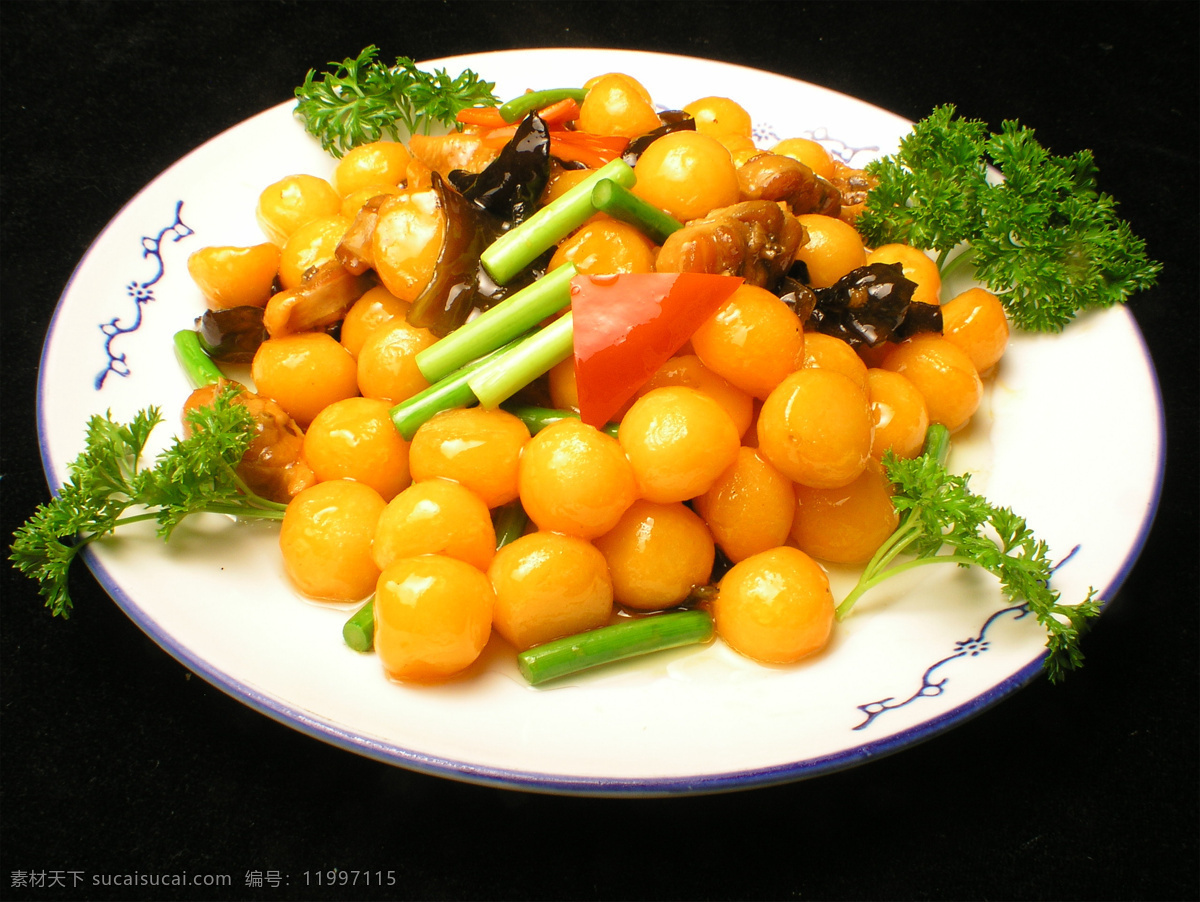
(854,186)
(231,335)
(775,177)
(354,250)
(323,297)
(273,466)
(756,240)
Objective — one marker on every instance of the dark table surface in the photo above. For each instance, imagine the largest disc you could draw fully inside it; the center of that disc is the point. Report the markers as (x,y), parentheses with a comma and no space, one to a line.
(116,761)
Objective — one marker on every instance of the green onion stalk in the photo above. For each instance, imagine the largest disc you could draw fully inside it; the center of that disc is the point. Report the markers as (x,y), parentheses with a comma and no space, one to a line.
(621,203)
(520,246)
(535,100)
(200,369)
(618,642)
(538,418)
(498,325)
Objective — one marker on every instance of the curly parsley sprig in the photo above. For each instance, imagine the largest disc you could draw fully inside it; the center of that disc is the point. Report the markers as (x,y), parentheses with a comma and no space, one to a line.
(363,100)
(195,474)
(938,511)
(1044,239)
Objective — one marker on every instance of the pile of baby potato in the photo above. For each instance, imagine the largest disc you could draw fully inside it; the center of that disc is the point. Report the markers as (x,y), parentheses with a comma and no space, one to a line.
(757,438)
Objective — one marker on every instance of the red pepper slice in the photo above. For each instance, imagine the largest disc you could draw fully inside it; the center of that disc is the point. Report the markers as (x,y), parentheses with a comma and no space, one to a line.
(628,325)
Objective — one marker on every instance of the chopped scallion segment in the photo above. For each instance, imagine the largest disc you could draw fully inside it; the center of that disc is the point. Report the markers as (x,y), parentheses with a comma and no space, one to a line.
(448,393)
(620,203)
(506,373)
(200,369)
(534,100)
(521,245)
(497,325)
(359,630)
(538,418)
(509,521)
(640,636)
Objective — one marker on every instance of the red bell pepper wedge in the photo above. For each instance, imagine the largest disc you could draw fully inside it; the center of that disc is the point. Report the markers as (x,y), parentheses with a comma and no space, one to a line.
(628,325)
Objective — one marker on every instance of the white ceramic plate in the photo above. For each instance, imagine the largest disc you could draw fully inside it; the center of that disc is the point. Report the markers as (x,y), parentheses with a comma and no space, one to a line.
(915,658)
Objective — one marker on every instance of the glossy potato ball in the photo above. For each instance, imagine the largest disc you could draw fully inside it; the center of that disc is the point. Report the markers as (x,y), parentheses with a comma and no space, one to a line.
(617,105)
(752,341)
(686,174)
(719,116)
(633,84)
(355,439)
(656,554)
(376,163)
(235,276)
(678,441)
(326,540)
(976,322)
(833,249)
(775,607)
(564,390)
(741,147)
(750,508)
(433,617)
(476,447)
(387,361)
(827,352)
(561,181)
(436,517)
(604,247)
(898,412)
(848,524)
(815,428)
(918,267)
(549,585)
(376,308)
(690,371)
(304,373)
(808,152)
(291,202)
(310,245)
(943,374)
(575,479)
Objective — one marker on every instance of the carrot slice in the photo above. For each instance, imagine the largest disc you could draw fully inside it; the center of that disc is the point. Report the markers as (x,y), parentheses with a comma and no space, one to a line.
(560,113)
(481,115)
(591,150)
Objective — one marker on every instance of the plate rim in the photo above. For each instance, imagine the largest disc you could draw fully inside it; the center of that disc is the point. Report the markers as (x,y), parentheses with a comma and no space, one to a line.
(323,729)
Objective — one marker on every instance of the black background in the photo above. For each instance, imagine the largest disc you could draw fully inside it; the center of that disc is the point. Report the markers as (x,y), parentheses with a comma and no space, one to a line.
(116,760)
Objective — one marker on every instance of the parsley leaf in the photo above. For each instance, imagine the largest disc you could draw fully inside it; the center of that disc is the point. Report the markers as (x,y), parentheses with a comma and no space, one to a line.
(195,474)
(1044,239)
(362,100)
(943,521)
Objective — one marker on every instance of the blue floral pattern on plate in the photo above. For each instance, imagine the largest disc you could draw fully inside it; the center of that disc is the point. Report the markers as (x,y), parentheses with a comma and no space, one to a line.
(142,294)
(964,648)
